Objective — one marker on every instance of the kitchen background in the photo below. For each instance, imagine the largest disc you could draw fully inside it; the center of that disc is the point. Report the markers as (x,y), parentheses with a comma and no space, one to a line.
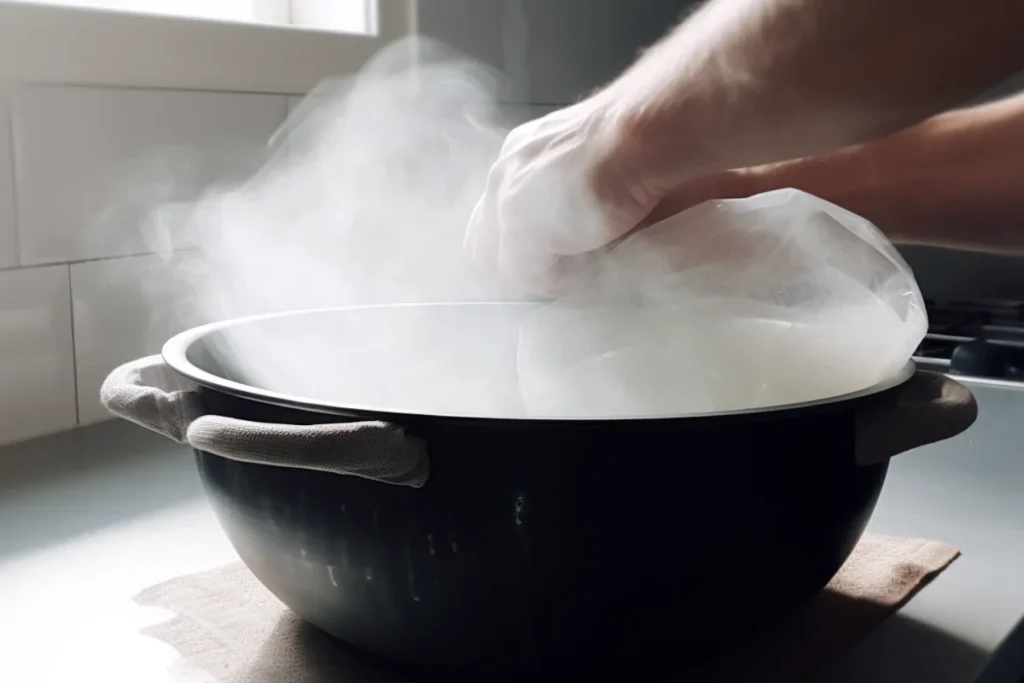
(80,165)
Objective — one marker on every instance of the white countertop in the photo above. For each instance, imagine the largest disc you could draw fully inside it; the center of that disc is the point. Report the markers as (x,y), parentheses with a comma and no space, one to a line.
(76,547)
(968,491)
(90,518)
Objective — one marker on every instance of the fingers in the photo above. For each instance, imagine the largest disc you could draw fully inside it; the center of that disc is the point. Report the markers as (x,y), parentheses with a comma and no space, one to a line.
(495,250)
(506,233)
(540,218)
(727,185)
(538,270)
(483,233)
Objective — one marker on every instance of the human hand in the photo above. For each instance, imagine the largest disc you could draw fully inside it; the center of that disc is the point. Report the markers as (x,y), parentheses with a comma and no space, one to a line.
(733,184)
(571,185)
(564,187)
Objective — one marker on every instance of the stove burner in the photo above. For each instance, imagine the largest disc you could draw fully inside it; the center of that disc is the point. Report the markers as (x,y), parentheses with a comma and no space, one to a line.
(982,358)
(980,339)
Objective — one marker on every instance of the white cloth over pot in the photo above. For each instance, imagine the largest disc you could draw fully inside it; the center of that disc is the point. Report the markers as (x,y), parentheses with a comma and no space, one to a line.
(734,304)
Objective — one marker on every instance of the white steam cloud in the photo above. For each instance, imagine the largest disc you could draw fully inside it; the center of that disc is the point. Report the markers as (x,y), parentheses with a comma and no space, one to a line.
(365,198)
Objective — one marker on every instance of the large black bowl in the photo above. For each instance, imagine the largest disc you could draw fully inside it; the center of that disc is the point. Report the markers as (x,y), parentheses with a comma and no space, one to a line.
(545,542)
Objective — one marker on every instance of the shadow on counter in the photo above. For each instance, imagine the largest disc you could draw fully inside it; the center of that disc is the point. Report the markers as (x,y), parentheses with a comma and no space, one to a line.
(912,653)
(904,650)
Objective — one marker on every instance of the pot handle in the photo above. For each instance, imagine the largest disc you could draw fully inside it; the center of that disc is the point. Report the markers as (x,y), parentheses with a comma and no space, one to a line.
(150,394)
(928,408)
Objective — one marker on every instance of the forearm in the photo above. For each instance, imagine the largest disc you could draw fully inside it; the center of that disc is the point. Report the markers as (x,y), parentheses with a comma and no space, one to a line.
(955,180)
(745,82)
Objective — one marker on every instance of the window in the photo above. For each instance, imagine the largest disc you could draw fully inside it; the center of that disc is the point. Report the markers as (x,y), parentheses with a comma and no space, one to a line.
(283,46)
(344,16)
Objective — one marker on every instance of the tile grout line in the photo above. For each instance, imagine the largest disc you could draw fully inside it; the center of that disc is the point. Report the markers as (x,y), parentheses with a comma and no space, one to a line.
(74,348)
(56,84)
(12,158)
(92,259)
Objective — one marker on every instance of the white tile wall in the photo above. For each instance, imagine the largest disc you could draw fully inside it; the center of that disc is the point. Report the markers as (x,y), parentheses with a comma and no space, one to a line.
(119,315)
(79,169)
(8,235)
(91,162)
(37,375)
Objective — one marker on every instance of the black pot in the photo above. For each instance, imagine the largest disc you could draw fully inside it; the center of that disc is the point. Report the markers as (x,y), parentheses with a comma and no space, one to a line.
(544,542)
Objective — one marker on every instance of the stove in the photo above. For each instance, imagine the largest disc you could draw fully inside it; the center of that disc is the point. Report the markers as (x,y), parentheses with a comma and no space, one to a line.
(975,339)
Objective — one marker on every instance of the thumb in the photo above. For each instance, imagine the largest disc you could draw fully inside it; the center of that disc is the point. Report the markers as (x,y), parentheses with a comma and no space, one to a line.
(734,184)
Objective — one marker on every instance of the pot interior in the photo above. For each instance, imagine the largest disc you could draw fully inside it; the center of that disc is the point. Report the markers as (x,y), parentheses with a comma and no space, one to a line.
(450,359)
(481,360)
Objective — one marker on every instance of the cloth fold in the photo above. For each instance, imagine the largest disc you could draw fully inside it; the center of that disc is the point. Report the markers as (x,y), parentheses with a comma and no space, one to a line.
(152,395)
(230,629)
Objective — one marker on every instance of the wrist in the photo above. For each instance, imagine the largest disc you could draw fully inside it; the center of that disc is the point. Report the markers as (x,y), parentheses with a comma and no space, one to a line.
(879,181)
(626,169)
(654,140)
(830,176)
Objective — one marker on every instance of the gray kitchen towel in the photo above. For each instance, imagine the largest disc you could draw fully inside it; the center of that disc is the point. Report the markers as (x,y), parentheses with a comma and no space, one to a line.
(232,630)
(150,394)
(147,392)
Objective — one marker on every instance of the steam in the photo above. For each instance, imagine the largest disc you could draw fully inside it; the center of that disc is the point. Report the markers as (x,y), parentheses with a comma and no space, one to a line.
(364,199)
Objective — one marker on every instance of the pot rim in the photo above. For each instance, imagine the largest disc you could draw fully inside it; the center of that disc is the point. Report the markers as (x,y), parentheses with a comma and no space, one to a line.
(176,349)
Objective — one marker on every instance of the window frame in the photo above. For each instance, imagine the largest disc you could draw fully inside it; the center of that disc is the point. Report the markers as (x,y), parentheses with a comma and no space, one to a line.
(52,44)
